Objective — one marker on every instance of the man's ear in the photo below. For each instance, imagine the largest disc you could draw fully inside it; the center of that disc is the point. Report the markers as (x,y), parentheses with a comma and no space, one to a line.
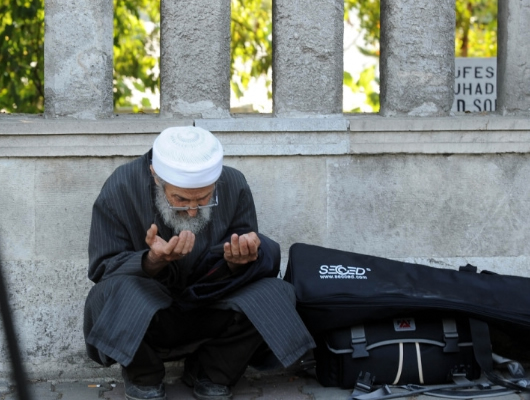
(154,175)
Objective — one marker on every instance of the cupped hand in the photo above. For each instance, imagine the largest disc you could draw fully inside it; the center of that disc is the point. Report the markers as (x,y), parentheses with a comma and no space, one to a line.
(241,250)
(161,253)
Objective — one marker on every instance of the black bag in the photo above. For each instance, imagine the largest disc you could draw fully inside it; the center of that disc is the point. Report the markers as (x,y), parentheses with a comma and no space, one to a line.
(423,350)
(336,290)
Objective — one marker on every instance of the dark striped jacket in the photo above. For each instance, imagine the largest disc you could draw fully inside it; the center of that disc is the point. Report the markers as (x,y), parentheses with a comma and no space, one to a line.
(120,306)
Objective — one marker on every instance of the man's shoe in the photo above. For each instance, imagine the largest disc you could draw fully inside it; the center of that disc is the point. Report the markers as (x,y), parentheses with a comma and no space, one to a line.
(137,392)
(205,389)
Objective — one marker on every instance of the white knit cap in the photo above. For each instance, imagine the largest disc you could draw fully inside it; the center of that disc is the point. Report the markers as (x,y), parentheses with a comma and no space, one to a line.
(187,157)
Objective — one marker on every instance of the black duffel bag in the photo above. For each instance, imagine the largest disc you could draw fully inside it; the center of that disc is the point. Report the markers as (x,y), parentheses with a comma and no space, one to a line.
(401,350)
(337,290)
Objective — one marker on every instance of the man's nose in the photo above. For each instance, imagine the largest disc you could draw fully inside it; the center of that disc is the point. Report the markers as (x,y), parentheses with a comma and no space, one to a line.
(193,212)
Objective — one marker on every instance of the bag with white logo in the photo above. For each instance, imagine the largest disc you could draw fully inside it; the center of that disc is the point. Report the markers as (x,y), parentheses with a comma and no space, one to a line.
(421,350)
(337,290)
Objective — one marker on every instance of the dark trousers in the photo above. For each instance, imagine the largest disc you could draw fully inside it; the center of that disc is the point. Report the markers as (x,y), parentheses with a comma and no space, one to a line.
(229,337)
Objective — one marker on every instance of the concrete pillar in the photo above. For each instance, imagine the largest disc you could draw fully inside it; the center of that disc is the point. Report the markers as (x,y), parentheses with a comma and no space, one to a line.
(195,58)
(78,58)
(513,56)
(307,66)
(417,57)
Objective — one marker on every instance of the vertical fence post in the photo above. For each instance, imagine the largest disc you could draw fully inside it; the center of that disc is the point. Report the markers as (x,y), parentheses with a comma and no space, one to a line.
(513,56)
(417,57)
(307,57)
(78,58)
(195,58)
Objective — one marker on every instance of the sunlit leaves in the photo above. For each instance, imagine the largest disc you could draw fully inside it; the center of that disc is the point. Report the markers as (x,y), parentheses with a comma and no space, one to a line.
(136,40)
(136,31)
(476,35)
(368,14)
(476,28)
(136,27)
(366,84)
(21,56)
(251,44)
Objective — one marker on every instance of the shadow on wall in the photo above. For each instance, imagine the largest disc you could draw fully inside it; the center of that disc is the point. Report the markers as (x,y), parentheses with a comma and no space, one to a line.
(12,344)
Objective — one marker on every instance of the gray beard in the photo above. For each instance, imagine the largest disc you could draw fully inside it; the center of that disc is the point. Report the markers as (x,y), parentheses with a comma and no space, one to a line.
(180,221)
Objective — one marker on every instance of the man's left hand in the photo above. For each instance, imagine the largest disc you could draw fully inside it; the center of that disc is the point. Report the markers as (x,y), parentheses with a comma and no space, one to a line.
(241,250)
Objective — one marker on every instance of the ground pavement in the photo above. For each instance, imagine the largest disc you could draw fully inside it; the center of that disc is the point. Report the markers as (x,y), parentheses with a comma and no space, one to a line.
(283,385)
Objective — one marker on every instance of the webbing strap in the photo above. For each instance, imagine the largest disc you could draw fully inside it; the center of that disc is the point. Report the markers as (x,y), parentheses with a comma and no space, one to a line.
(481,344)
(450,335)
(410,390)
(358,341)
(483,355)
(448,391)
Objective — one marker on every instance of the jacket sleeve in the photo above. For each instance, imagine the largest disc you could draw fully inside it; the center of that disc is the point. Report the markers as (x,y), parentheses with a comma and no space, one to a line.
(245,219)
(110,248)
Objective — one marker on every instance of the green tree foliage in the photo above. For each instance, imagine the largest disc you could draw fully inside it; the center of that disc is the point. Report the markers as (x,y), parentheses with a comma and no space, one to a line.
(22,52)
(475,36)
(251,44)
(476,28)
(368,14)
(22,55)
(366,84)
(136,38)
(137,25)
(251,31)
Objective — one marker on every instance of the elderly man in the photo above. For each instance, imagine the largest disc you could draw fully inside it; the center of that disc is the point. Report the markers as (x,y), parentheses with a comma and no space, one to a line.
(182,272)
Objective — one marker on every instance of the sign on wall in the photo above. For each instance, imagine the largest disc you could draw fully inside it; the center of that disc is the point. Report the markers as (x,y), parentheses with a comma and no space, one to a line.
(475,85)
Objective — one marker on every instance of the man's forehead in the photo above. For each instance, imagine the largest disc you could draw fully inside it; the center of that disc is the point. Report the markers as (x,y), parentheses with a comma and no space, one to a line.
(194,193)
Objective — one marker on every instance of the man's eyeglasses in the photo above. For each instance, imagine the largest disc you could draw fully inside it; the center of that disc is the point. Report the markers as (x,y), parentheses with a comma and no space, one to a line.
(213,203)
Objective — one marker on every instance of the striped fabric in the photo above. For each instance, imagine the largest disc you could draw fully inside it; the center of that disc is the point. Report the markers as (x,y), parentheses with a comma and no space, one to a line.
(281,327)
(120,306)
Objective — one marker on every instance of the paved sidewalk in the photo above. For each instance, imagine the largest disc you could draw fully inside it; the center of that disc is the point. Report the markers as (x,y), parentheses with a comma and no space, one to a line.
(284,385)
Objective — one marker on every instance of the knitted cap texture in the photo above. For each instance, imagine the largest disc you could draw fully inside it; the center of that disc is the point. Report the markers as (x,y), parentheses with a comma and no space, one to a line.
(188,157)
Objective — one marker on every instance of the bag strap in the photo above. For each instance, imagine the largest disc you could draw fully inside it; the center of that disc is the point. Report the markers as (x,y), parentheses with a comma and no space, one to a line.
(364,389)
(480,335)
(453,390)
(483,355)
(450,335)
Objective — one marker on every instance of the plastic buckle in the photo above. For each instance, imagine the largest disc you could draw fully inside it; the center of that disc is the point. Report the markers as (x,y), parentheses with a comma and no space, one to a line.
(450,335)
(460,376)
(365,382)
(359,350)
(451,343)
(358,342)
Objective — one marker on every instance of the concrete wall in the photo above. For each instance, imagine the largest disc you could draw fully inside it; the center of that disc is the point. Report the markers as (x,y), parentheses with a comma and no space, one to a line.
(438,191)
(414,183)
(78,58)
(513,61)
(307,57)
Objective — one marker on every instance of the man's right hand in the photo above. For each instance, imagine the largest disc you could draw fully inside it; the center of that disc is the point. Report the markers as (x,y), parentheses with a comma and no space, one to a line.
(161,253)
